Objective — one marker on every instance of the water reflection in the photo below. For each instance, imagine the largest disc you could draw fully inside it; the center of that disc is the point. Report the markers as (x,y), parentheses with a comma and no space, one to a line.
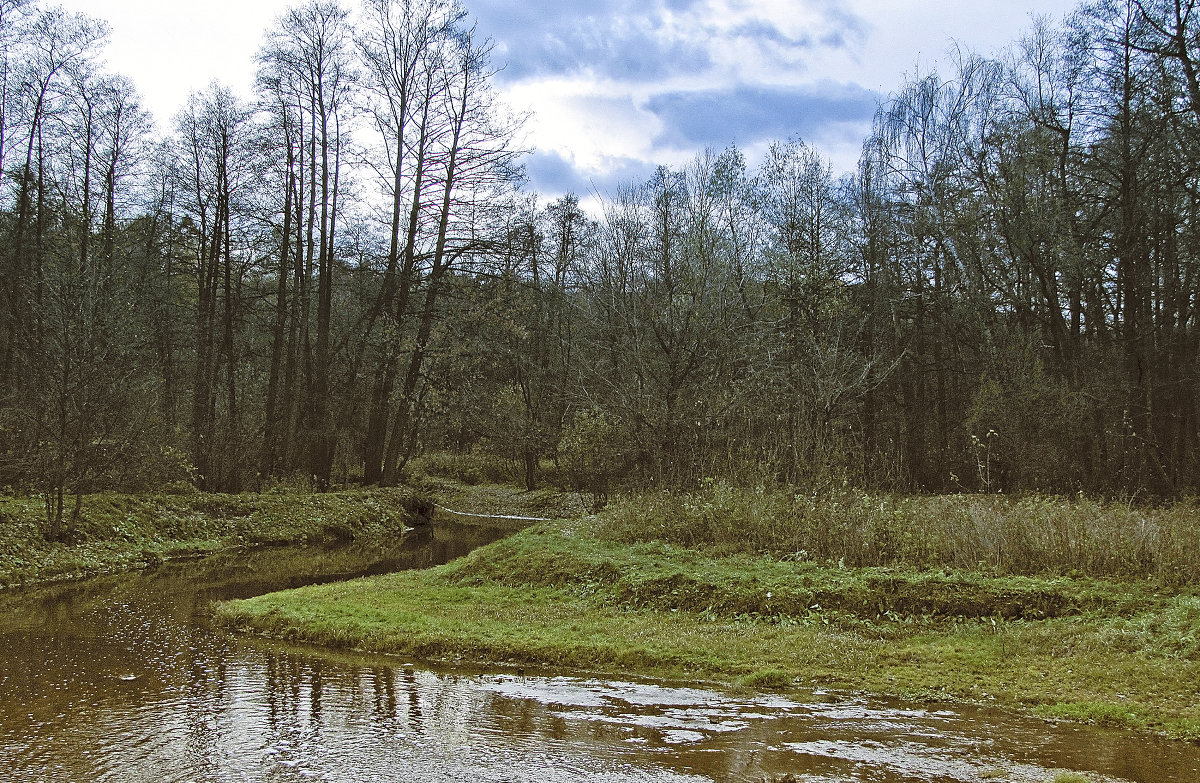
(122,679)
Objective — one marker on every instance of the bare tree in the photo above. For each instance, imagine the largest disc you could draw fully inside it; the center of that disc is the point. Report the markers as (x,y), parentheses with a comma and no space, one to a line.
(214,136)
(308,71)
(446,148)
(55,41)
(404,55)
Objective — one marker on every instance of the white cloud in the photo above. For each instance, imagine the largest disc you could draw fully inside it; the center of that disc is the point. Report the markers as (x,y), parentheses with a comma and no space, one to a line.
(800,46)
(591,129)
(907,32)
(171,49)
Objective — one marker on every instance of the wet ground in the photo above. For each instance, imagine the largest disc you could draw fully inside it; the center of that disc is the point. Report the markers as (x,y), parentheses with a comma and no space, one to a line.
(122,678)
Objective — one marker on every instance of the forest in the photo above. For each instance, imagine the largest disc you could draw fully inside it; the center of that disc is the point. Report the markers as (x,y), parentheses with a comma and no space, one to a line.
(347,272)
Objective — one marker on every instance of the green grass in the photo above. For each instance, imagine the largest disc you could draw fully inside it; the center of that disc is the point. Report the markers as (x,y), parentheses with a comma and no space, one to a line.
(116,531)
(665,576)
(572,594)
(767,680)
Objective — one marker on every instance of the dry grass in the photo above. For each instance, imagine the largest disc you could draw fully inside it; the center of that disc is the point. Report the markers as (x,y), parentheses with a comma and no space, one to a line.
(1031,535)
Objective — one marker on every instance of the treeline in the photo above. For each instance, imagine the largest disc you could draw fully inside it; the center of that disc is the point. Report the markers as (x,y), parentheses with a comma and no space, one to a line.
(1003,297)
(323,282)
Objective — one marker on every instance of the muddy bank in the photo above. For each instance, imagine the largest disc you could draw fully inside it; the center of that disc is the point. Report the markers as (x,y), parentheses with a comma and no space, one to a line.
(117,532)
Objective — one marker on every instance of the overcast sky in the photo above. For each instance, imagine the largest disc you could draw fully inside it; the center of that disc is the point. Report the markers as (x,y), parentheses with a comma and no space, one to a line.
(618,86)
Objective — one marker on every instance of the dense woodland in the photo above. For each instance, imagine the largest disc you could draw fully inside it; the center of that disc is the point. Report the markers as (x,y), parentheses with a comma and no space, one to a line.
(347,271)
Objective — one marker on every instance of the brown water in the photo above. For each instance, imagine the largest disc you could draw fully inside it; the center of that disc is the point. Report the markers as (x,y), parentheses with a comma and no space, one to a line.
(122,679)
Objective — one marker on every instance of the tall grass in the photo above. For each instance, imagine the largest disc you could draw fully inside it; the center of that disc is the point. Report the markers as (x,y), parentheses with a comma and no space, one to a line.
(1028,535)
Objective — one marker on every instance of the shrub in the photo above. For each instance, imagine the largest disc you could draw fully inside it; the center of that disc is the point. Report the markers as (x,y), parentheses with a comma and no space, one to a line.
(469,468)
(593,451)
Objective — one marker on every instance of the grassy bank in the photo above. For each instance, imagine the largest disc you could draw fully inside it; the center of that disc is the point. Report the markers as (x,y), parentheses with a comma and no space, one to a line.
(116,532)
(665,585)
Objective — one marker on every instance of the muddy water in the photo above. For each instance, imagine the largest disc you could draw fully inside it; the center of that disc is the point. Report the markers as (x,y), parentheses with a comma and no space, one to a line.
(122,679)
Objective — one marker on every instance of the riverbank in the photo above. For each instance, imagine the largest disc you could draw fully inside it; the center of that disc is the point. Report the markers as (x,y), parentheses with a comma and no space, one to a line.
(117,532)
(612,593)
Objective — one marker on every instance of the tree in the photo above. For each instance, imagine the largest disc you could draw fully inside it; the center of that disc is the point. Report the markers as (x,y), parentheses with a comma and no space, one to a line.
(79,362)
(469,159)
(54,43)
(307,71)
(403,56)
(215,147)
(811,269)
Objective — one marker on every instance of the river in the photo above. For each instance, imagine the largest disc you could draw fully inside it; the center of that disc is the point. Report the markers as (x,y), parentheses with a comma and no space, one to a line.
(123,679)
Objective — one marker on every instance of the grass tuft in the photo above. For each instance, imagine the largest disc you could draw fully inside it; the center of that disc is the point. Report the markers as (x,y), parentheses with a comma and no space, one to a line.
(768,680)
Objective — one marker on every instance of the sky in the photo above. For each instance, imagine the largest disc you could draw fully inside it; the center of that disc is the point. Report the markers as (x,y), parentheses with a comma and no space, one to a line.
(616,87)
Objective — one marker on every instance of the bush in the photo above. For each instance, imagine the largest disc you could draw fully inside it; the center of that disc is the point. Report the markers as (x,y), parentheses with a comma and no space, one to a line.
(470,468)
(593,451)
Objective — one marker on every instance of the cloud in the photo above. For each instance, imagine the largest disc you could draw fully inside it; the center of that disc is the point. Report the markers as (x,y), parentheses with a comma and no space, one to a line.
(617,87)
(615,39)
(552,174)
(745,115)
(846,28)
(652,40)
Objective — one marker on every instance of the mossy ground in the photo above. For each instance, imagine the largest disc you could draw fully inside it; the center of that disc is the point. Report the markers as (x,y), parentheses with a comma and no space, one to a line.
(116,532)
(567,594)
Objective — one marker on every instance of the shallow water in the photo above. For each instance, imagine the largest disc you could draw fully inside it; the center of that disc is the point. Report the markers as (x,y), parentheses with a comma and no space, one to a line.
(121,678)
